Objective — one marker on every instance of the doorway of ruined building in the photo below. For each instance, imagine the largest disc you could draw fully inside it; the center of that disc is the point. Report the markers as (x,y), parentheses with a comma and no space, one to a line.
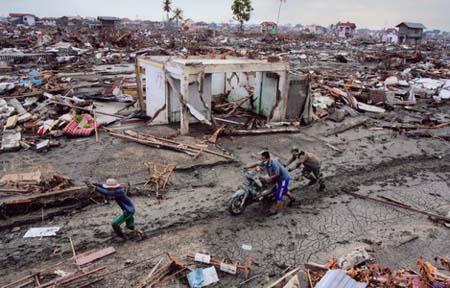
(260,87)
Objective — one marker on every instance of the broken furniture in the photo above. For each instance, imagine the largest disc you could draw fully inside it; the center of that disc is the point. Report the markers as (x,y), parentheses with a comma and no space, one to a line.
(159,175)
(166,268)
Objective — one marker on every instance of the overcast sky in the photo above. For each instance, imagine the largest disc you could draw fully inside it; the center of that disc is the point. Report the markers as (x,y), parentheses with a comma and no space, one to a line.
(365,13)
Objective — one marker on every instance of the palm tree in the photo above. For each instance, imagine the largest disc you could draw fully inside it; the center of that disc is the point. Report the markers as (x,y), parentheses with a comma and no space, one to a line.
(167,8)
(279,10)
(177,15)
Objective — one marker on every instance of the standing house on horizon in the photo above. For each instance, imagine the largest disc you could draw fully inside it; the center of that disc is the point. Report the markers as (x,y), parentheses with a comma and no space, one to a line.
(344,30)
(108,21)
(410,33)
(269,27)
(22,18)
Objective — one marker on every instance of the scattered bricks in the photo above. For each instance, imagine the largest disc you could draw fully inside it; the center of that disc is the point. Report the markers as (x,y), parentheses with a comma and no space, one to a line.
(11,141)
(11,122)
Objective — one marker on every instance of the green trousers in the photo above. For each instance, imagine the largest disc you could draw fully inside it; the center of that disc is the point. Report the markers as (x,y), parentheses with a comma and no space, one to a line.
(125,217)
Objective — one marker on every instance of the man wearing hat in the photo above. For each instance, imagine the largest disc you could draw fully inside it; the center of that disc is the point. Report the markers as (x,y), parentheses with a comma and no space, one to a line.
(112,188)
(311,165)
(276,173)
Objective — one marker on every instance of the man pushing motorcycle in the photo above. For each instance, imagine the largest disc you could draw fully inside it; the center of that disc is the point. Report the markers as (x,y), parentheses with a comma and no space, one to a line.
(276,173)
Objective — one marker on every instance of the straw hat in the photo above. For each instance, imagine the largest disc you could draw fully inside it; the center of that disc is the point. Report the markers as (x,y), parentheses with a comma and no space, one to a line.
(111,183)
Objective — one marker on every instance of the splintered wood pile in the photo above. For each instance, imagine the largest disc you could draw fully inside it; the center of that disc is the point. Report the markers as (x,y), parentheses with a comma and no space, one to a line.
(33,182)
(193,150)
(159,175)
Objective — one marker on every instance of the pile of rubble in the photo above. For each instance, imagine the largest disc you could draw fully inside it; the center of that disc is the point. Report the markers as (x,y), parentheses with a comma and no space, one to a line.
(374,275)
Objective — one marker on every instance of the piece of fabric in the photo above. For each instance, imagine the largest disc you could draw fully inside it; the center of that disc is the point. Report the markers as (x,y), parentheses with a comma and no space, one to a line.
(119,195)
(282,189)
(126,218)
(72,128)
(273,167)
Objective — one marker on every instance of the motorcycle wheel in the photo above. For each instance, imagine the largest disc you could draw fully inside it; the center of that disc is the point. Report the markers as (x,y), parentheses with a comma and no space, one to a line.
(236,206)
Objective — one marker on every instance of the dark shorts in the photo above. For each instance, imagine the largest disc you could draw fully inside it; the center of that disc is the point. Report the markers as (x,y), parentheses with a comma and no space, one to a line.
(314,170)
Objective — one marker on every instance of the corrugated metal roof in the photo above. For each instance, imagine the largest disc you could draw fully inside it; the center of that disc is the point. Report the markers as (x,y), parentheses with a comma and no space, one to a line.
(412,25)
(338,279)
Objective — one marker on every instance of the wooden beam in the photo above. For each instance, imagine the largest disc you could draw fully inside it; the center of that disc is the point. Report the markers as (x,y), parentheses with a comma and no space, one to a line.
(288,129)
(184,120)
(284,277)
(400,205)
(86,109)
(140,90)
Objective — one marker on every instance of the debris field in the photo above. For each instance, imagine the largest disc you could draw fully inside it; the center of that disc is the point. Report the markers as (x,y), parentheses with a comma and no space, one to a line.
(175,115)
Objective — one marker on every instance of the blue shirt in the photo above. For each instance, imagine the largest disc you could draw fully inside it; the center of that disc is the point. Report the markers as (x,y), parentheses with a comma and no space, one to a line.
(274,167)
(121,197)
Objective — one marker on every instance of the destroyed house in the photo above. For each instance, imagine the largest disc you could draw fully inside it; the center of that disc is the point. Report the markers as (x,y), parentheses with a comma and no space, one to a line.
(269,27)
(389,35)
(69,21)
(183,90)
(410,33)
(22,18)
(108,21)
(316,29)
(344,30)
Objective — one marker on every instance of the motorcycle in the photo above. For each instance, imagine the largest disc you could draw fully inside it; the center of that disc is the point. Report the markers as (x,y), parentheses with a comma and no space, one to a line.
(255,189)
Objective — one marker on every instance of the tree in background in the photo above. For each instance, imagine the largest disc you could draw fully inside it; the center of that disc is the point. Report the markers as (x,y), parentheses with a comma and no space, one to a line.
(279,10)
(177,15)
(241,11)
(167,7)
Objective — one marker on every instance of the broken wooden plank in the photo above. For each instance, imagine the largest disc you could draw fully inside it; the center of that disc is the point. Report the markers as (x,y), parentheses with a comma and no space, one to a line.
(6,190)
(85,259)
(140,91)
(154,144)
(86,109)
(233,132)
(71,277)
(293,282)
(213,138)
(401,205)
(284,277)
(346,127)
(194,147)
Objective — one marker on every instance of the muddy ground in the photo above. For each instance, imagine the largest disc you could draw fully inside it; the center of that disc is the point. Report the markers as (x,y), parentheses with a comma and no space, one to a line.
(194,218)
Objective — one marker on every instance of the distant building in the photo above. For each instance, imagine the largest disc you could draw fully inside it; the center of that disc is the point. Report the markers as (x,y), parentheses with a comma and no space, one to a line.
(200,26)
(47,21)
(344,30)
(299,27)
(433,34)
(108,21)
(22,18)
(69,21)
(269,27)
(316,29)
(410,33)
